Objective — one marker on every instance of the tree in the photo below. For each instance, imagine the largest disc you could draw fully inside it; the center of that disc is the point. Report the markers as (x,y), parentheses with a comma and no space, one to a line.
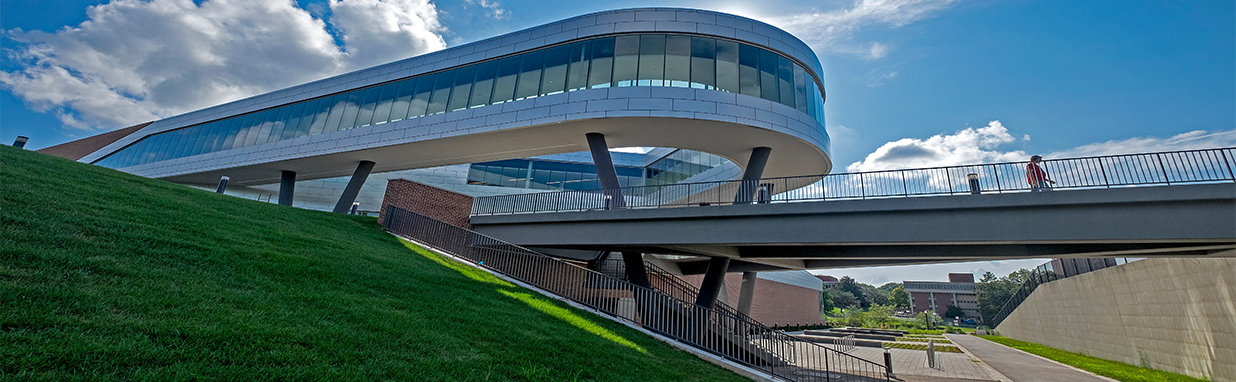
(848,284)
(826,301)
(899,297)
(993,292)
(954,311)
(889,287)
(843,299)
(879,315)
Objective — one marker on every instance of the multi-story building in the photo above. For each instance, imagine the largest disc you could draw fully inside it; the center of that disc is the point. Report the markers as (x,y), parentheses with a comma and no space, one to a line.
(937,296)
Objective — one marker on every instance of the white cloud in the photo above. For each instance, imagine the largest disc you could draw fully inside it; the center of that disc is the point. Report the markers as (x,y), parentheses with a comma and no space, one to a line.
(830,31)
(493,8)
(968,146)
(1193,140)
(133,61)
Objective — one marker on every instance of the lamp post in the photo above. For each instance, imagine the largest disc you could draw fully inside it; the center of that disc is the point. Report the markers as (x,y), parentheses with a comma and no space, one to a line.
(974,184)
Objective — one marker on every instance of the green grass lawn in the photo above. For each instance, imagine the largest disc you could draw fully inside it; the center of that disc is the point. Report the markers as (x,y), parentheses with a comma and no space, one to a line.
(1116,370)
(107,276)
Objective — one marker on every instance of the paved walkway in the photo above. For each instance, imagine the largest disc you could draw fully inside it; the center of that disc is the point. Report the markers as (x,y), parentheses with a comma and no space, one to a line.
(911,365)
(1019,366)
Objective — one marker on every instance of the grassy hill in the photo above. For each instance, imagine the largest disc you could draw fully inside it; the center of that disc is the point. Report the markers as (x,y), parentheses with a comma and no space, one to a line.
(108,276)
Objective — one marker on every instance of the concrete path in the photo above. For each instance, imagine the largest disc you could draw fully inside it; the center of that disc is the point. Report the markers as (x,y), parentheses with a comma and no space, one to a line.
(1019,366)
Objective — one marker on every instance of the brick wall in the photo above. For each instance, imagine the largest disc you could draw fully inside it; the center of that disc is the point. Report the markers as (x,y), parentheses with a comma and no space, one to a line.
(451,207)
(75,150)
(773,303)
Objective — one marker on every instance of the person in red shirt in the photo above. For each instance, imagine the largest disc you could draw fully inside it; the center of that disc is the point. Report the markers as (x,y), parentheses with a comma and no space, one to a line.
(1036,176)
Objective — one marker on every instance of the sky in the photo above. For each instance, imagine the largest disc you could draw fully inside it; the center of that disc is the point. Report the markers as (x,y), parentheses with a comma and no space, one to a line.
(910,83)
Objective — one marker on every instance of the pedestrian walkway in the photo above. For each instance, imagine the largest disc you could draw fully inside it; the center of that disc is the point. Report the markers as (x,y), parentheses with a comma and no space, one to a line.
(1019,366)
(911,365)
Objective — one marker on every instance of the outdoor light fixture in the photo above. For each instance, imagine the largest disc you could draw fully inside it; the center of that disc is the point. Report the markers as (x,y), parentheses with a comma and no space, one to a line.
(974,184)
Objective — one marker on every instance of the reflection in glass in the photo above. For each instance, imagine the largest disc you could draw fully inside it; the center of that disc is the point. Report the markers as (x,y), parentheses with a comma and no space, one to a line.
(529,75)
(577,72)
(463,88)
(678,61)
(484,86)
(554,78)
(441,92)
(626,60)
(727,66)
(651,60)
(601,73)
(703,63)
(504,86)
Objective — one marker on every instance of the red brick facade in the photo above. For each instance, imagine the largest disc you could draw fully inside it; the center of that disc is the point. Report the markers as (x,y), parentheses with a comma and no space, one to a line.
(773,303)
(451,207)
(75,150)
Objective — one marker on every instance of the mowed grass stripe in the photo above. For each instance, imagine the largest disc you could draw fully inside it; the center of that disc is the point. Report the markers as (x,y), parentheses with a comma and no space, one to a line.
(108,276)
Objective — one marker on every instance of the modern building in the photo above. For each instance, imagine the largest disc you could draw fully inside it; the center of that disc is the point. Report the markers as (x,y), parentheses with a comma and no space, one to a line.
(708,95)
(937,296)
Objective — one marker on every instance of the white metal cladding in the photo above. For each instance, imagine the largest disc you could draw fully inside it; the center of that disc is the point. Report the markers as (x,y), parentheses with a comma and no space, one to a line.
(595,24)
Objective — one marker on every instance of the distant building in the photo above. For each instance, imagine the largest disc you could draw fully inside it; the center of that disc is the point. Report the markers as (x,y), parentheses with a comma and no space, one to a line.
(828,280)
(937,296)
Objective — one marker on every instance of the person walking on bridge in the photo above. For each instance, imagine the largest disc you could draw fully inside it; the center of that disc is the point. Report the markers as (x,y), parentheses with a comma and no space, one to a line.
(1036,176)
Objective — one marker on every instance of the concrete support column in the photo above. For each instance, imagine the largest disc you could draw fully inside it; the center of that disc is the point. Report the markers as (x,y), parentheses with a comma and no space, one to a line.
(353,189)
(21,141)
(751,176)
(636,273)
(747,293)
(714,279)
(222,184)
(287,187)
(605,169)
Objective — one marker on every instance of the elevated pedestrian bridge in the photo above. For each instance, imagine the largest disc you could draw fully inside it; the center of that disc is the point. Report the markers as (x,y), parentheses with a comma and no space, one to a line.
(1159,204)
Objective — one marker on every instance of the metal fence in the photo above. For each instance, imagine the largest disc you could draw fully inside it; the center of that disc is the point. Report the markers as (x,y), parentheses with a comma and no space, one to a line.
(665,282)
(726,335)
(1040,275)
(1165,168)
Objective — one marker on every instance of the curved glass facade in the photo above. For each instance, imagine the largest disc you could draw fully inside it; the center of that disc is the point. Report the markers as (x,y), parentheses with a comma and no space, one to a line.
(668,60)
(556,175)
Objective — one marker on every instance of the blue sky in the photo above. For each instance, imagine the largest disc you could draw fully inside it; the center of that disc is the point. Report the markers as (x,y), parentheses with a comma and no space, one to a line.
(968,81)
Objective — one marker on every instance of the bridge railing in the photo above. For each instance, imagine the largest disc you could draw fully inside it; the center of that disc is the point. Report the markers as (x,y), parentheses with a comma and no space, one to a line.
(726,335)
(1164,168)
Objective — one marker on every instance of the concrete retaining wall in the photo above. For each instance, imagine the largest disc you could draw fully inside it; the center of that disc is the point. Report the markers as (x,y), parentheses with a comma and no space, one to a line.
(1177,315)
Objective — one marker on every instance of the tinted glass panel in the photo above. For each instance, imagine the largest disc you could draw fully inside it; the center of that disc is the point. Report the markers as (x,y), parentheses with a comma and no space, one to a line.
(800,89)
(785,81)
(504,86)
(626,60)
(703,63)
(229,134)
(530,74)
(292,129)
(678,61)
(337,108)
(351,109)
(484,87)
(577,72)
(600,72)
(727,66)
(554,78)
(369,102)
(768,75)
(463,88)
(420,102)
(749,70)
(281,122)
(403,99)
(441,92)
(307,118)
(386,99)
(651,60)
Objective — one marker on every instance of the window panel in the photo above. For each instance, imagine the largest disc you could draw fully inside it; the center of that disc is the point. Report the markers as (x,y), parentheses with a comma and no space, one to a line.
(727,66)
(403,99)
(601,67)
(364,114)
(577,72)
(800,89)
(281,124)
(553,79)
(382,112)
(785,81)
(626,60)
(529,74)
(183,138)
(483,89)
(211,137)
(504,86)
(749,70)
(651,60)
(442,84)
(420,102)
(265,125)
(312,121)
(768,75)
(703,63)
(678,61)
(226,134)
(337,107)
(255,127)
(350,109)
(239,132)
(463,88)
(292,129)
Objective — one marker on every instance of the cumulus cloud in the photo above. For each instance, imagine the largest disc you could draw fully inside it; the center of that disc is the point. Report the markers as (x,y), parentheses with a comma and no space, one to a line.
(1193,140)
(967,146)
(830,31)
(133,61)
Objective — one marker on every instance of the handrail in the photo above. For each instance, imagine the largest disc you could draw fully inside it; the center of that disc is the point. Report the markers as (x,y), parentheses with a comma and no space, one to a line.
(668,283)
(734,338)
(1040,275)
(1163,168)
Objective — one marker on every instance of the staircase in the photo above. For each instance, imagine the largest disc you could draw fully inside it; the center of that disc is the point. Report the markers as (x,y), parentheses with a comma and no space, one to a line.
(721,332)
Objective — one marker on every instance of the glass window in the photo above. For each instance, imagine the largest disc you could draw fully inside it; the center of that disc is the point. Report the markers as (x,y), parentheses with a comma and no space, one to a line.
(785,81)
(530,74)
(678,61)
(651,60)
(339,104)
(266,126)
(292,129)
(463,88)
(768,75)
(442,84)
(207,138)
(554,78)
(281,123)
(403,99)
(364,114)
(626,60)
(800,89)
(420,102)
(749,70)
(504,86)
(382,112)
(601,68)
(484,87)
(222,134)
(240,131)
(307,117)
(255,127)
(703,63)
(350,109)
(727,66)
(577,73)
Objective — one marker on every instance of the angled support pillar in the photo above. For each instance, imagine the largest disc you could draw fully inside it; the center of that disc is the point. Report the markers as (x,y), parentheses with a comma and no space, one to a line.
(636,273)
(751,176)
(714,279)
(605,170)
(287,187)
(353,189)
(747,293)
